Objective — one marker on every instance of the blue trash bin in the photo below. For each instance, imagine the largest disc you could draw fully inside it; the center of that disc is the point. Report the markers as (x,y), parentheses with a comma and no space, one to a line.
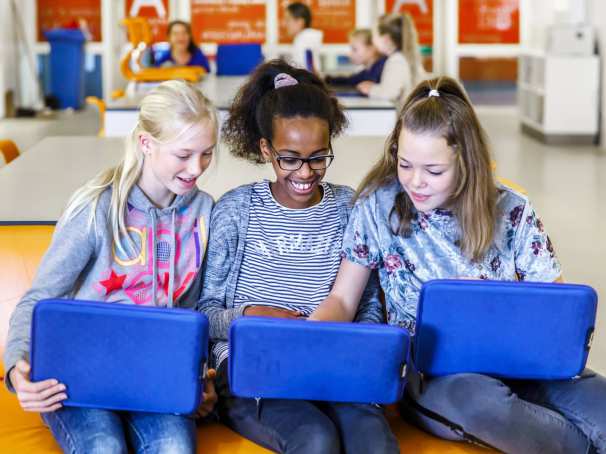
(67,66)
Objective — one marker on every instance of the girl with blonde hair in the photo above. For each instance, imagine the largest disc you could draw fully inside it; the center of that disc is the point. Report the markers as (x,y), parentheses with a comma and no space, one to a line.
(134,234)
(396,36)
(430,209)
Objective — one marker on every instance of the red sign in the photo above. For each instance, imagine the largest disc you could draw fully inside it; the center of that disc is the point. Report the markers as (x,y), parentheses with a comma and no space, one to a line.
(69,13)
(336,18)
(155,11)
(421,12)
(234,21)
(489,22)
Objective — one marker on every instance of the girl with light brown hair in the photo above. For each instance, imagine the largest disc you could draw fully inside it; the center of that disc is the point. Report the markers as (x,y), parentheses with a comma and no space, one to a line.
(431,209)
(396,37)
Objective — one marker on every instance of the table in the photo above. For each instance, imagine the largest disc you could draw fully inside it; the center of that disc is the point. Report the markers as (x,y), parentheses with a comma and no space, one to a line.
(38,184)
(368,117)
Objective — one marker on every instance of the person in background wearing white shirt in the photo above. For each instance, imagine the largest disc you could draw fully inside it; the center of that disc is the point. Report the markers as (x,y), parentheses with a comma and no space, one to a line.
(307,41)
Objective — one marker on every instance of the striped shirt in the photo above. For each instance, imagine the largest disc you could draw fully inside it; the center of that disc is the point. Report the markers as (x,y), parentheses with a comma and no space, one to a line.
(291,256)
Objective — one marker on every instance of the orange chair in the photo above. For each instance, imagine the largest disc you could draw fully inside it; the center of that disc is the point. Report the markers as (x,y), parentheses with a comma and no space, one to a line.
(100,104)
(506,182)
(140,38)
(8,151)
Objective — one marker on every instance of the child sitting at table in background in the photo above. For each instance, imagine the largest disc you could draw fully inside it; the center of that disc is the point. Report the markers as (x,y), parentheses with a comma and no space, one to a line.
(363,53)
(307,41)
(396,37)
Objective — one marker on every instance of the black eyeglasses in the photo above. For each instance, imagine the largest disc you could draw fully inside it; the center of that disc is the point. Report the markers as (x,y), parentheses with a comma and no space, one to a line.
(293,163)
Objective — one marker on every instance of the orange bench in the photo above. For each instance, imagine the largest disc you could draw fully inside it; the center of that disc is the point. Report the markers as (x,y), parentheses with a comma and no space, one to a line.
(21,248)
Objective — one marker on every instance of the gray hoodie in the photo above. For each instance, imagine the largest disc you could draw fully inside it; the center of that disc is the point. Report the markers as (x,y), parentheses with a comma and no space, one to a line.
(83,262)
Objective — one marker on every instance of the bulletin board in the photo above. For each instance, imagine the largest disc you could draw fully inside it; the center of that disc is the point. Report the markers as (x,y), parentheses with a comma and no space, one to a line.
(421,12)
(236,21)
(55,14)
(155,11)
(336,18)
(489,22)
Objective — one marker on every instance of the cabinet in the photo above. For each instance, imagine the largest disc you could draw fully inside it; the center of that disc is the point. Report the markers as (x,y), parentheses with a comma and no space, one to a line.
(558,97)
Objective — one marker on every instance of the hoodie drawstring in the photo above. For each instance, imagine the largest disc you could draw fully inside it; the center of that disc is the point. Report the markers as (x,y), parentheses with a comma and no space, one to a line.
(172,257)
(171,275)
(154,267)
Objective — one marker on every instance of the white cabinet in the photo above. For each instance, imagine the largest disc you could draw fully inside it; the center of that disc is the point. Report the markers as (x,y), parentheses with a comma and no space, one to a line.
(558,97)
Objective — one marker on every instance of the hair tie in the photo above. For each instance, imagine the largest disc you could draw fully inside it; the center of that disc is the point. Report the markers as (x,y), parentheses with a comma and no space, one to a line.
(433,92)
(284,80)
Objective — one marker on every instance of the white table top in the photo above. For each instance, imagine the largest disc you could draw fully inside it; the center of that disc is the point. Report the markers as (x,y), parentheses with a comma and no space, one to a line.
(37,185)
(222,89)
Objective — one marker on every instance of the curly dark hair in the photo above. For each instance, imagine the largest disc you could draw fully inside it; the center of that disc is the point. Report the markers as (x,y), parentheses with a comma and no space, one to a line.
(258,103)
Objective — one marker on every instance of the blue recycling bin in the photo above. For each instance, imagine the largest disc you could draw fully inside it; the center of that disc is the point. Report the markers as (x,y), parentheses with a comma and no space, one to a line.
(67,66)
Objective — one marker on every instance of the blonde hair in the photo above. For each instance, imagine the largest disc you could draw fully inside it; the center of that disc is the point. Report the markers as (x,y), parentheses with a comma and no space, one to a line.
(451,116)
(165,113)
(403,32)
(365,34)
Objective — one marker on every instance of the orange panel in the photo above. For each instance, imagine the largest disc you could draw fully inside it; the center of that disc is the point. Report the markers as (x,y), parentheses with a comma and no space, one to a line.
(336,19)
(157,13)
(55,14)
(489,22)
(237,21)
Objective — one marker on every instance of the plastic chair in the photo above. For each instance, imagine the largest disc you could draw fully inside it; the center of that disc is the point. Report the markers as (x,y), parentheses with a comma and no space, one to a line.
(505,182)
(8,151)
(140,38)
(100,104)
(238,59)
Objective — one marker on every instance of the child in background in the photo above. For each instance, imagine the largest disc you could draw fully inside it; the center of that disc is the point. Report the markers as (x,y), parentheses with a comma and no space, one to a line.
(363,53)
(183,50)
(430,209)
(307,41)
(99,251)
(274,252)
(396,37)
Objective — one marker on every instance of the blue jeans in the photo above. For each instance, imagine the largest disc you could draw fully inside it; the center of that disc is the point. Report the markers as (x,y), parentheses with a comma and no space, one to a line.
(92,431)
(515,416)
(304,427)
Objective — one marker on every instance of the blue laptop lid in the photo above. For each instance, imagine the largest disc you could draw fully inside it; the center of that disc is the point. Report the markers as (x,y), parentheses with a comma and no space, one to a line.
(297,359)
(509,329)
(121,357)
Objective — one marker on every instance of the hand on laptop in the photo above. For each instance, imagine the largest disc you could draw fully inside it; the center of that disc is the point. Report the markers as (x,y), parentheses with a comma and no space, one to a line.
(268,311)
(209,396)
(42,397)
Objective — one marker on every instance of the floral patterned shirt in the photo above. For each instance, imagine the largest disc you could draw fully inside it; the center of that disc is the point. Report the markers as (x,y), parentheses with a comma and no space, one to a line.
(521,250)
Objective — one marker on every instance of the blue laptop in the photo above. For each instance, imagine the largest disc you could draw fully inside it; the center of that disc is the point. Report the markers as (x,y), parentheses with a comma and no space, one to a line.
(322,361)
(517,330)
(119,356)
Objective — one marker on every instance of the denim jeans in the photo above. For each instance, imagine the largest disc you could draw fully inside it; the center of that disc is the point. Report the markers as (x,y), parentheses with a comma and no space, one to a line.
(515,416)
(304,427)
(92,431)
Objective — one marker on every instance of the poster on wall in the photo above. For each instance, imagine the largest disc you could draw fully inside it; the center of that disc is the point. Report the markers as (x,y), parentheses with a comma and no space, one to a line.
(421,12)
(155,11)
(489,22)
(69,13)
(233,21)
(336,18)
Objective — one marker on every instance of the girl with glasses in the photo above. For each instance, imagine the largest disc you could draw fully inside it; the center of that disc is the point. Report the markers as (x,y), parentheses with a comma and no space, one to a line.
(274,251)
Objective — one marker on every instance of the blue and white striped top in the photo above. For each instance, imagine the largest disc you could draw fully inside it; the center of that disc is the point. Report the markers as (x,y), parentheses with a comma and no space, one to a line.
(291,256)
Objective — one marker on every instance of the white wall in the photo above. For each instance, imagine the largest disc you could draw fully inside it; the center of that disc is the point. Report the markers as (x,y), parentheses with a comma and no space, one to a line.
(8,74)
